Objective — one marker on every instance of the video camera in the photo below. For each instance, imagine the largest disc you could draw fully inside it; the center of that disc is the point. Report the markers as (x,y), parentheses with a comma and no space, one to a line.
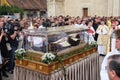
(17,25)
(8,27)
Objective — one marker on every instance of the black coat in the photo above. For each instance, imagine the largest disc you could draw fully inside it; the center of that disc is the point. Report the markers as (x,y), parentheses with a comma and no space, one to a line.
(3,48)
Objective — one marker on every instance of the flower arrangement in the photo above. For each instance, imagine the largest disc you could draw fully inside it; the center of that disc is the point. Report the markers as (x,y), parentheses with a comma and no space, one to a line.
(48,58)
(19,53)
(93,44)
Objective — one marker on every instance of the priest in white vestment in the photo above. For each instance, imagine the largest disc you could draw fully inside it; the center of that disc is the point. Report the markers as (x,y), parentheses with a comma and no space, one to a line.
(103,71)
(102,40)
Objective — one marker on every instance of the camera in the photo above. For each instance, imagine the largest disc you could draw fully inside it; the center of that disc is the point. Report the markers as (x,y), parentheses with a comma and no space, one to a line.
(16,24)
(8,27)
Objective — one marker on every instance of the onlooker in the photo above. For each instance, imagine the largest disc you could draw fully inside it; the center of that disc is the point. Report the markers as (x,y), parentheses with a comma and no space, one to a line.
(13,38)
(1,23)
(96,23)
(103,72)
(113,67)
(21,39)
(91,32)
(78,23)
(4,48)
(36,42)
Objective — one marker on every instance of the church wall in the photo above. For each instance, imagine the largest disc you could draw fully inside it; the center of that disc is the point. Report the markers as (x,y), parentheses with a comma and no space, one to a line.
(75,7)
(100,7)
(116,7)
(95,7)
(59,7)
(55,7)
(51,7)
(110,7)
(119,8)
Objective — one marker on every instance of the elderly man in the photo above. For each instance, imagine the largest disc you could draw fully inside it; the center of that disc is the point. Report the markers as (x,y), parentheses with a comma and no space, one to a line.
(113,67)
(103,72)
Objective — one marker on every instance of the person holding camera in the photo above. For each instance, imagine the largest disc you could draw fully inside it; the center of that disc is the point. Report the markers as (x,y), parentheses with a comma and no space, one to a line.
(11,30)
(5,50)
(13,38)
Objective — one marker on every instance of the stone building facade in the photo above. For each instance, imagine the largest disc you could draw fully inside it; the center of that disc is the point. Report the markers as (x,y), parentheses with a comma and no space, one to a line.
(83,7)
(32,8)
(68,7)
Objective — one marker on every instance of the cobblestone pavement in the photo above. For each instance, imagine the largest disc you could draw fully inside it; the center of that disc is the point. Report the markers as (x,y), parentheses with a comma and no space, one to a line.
(11,75)
(9,78)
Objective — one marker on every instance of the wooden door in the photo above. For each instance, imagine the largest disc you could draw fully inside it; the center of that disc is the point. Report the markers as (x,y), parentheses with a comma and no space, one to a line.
(85,12)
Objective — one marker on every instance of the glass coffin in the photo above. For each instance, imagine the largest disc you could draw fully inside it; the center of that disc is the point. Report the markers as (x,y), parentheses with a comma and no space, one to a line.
(53,39)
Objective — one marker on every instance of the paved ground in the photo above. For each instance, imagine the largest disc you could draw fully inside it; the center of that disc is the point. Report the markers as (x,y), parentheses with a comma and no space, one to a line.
(11,75)
(101,59)
(9,78)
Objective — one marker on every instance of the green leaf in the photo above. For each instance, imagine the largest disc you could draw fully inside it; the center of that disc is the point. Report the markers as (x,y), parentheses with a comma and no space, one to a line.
(5,10)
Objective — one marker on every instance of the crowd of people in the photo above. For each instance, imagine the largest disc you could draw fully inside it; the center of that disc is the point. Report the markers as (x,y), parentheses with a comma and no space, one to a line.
(11,37)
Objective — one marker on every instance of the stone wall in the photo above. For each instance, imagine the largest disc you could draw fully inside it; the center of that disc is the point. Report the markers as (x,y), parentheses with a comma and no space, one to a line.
(75,7)
(55,7)
(95,7)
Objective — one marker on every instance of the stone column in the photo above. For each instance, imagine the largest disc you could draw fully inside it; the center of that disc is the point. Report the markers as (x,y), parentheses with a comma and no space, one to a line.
(55,7)
(116,8)
(119,8)
(110,8)
(38,13)
(25,14)
(60,7)
(51,7)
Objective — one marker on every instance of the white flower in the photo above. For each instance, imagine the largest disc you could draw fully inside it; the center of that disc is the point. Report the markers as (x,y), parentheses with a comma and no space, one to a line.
(20,51)
(48,57)
(44,56)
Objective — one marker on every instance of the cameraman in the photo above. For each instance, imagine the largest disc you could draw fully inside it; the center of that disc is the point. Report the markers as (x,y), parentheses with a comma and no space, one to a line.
(11,30)
(4,47)
(13,37)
